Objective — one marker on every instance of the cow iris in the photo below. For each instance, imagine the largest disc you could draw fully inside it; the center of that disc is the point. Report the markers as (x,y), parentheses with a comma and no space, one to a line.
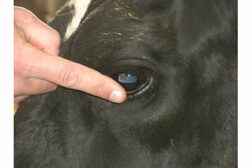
(127,78)
(132,80)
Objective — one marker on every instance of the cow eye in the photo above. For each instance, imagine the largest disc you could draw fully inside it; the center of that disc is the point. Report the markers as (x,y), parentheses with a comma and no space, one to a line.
(133,81)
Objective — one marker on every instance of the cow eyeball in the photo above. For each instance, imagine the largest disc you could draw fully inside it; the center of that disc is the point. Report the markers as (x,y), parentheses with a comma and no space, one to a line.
(133,81)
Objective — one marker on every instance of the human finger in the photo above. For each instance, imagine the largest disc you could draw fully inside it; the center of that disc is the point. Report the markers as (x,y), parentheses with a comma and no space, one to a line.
(18,99)
(32,86)
(72,75)
(37,33)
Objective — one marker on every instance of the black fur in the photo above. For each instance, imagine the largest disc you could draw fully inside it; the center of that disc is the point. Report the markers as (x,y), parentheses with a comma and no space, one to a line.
(187,118)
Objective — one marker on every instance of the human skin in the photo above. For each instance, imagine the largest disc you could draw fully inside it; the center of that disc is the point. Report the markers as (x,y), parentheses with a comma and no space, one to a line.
(38,69)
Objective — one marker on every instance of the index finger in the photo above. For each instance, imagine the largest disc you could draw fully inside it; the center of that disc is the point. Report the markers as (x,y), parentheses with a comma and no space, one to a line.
(73,75)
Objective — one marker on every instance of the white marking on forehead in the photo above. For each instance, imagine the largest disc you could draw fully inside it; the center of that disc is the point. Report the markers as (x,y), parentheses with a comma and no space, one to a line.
(80,7)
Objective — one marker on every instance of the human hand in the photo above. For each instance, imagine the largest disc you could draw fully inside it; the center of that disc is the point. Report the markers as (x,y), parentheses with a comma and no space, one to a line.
(38,69)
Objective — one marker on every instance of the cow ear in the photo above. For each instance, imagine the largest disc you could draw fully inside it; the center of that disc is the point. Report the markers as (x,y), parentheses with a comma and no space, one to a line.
(62,19)
(200,21)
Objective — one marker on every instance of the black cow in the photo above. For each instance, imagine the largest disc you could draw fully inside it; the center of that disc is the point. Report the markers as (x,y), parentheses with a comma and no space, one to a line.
(177,60)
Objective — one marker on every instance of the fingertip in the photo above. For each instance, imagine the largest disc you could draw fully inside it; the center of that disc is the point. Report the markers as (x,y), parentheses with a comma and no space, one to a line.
(117,96)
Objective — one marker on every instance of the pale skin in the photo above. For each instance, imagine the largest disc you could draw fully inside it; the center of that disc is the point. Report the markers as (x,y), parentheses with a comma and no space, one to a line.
(38,69)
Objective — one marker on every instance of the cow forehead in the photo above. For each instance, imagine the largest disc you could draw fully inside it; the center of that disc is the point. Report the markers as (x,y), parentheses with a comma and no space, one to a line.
(119,31)
(124,8)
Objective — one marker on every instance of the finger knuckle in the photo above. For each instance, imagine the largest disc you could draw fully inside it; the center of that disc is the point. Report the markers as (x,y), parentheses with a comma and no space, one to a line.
(68,76)
(28,17)
(55,39)
(54,42)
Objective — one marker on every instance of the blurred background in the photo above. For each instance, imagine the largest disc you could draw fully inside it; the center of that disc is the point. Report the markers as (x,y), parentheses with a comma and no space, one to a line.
(44,9)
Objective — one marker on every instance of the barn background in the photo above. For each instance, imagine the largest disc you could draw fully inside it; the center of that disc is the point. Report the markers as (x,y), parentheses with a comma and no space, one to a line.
(44,9)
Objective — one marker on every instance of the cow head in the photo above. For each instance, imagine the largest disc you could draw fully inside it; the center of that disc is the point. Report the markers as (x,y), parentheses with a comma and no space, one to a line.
(177,62)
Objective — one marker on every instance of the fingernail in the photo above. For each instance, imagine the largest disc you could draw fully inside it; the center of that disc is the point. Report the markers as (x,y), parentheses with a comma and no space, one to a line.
(116,96)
